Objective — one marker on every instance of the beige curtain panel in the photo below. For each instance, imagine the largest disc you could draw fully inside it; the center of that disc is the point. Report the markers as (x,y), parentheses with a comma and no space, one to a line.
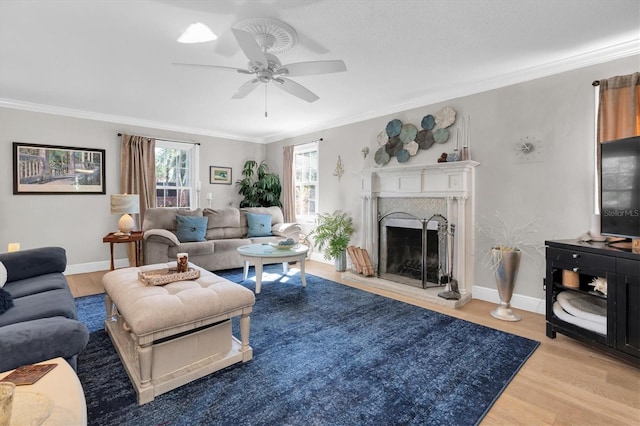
(619,108)
(288,186)
(138,176)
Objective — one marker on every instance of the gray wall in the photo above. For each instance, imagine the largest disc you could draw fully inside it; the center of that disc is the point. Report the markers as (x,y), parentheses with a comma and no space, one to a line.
(78,222)
(557,192)
(559,110)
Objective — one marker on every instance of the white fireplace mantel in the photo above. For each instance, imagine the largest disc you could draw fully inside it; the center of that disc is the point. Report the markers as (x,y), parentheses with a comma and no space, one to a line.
(453,181)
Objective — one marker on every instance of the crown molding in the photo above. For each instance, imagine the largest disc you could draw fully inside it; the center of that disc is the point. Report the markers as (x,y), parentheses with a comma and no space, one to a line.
(580,60)
(118,119)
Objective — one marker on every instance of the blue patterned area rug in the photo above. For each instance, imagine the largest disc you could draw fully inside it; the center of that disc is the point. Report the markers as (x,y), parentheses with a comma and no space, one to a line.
(327,354)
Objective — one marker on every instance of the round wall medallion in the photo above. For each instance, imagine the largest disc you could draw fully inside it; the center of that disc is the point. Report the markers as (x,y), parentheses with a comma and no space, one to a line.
(394,127)
(445,117)
(402,156)
(394,145)
(412,148)
(381,156)
(428,121)
(441,135)
(408,133)
(425,139)
(382,138)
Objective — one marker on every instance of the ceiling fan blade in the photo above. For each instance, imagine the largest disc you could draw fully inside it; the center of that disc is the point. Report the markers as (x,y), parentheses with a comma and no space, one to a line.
(295,89)
(240,70)
(251,48)
(312,68)
(246,88)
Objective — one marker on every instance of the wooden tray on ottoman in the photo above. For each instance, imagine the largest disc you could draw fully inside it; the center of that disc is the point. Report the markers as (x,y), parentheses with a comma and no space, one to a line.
(167,275)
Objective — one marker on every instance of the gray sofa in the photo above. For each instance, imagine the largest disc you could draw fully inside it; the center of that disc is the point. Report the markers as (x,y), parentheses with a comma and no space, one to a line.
(226,230)
(43,322)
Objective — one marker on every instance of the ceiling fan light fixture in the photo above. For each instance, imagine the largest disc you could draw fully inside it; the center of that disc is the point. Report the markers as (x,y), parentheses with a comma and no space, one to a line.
(197,33)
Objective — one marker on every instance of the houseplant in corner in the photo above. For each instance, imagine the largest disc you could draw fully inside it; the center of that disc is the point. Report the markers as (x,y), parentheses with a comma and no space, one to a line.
(258,186)
(332,235)
(507,245)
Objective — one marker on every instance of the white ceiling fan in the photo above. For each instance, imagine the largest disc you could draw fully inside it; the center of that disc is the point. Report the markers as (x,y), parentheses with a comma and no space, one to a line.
(261,39)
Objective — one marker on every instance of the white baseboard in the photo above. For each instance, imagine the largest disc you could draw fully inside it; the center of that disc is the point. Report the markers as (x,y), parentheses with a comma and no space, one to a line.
(84,268)
(518,301)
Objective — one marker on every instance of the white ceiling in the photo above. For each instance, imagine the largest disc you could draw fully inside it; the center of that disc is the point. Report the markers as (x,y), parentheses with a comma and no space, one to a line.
(112,59)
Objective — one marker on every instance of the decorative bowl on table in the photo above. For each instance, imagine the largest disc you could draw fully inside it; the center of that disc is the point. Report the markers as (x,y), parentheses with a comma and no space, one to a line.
(287,244)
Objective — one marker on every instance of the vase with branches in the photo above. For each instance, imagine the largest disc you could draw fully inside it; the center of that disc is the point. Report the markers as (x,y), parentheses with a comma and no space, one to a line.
(507,245)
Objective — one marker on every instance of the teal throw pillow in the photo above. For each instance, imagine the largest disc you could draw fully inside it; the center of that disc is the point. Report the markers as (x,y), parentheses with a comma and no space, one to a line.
(191,228)
(259,225)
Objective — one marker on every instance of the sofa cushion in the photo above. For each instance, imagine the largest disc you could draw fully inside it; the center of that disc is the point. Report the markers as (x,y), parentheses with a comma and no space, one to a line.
(227,217)
(33,262)
(191,228)
(6,301)
(275,212)
(165,218)
(34,341)
(42,305)
(259,225)
(34,285)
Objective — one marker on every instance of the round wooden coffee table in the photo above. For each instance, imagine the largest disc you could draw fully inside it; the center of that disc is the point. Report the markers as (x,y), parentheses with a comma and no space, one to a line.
(265,253)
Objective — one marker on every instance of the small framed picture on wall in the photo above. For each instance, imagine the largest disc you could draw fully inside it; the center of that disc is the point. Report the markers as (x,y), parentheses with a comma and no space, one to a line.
(221,175)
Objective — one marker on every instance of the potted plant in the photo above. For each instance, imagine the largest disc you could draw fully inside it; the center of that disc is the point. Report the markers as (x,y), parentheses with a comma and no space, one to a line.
(507,244)
(258,186)
(332,234)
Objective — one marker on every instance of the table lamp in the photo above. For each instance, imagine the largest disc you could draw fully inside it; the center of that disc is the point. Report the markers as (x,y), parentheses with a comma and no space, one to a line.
(125,204)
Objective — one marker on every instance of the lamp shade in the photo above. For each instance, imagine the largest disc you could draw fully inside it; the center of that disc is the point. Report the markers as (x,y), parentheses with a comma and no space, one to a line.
(125,204)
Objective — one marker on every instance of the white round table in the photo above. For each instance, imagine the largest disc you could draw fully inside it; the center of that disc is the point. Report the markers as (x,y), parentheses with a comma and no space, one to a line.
(261,253)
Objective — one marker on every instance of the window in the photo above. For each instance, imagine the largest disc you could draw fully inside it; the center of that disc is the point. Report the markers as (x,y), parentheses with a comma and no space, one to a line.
(176,174)
(305,166)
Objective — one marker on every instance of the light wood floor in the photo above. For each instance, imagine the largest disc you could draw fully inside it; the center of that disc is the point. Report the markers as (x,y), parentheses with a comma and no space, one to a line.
(563,383)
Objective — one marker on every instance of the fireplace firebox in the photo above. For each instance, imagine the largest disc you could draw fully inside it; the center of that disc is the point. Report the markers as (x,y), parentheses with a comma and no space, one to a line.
(412,250)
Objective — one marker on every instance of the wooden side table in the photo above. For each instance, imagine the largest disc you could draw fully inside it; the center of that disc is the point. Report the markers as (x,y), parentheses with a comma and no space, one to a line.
(135,238)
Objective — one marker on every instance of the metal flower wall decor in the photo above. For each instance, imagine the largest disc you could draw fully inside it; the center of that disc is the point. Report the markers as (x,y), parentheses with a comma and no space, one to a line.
(403,141)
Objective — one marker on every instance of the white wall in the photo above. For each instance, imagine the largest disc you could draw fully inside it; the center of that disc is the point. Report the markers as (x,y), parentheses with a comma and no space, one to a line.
(558,110)
(78,222)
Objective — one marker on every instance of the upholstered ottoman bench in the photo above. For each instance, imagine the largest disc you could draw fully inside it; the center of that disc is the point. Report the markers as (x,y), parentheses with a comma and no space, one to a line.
(169,335)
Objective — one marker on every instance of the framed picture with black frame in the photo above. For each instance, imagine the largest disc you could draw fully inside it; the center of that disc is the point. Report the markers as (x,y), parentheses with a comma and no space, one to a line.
(52,169)
(220,175)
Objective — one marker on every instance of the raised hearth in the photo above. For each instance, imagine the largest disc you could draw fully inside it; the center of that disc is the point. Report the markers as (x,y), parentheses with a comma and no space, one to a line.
(429,294)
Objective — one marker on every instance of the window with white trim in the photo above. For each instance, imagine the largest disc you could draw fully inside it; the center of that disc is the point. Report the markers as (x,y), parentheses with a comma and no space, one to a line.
(305,166)
(176,174)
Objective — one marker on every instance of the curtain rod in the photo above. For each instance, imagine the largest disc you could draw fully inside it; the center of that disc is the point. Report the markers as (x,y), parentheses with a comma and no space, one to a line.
(595,83)
(304,143)
(165,139)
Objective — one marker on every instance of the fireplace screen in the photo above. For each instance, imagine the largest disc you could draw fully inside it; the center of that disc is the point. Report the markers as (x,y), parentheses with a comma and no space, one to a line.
(411,250)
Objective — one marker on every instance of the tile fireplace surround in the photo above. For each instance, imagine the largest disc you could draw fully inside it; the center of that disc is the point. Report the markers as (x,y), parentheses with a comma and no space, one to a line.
(444,184)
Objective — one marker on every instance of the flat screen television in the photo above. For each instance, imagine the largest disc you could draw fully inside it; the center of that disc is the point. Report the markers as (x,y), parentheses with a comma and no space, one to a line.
(620,188)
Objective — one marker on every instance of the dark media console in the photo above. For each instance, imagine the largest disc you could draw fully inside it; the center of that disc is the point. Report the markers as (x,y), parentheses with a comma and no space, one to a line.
(572,266)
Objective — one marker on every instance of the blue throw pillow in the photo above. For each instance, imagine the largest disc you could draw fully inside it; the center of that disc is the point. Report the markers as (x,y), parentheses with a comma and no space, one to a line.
(259,225)
(191,228)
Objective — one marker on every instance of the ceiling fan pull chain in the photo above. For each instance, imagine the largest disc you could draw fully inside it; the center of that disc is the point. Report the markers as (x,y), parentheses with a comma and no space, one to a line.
(265,101)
